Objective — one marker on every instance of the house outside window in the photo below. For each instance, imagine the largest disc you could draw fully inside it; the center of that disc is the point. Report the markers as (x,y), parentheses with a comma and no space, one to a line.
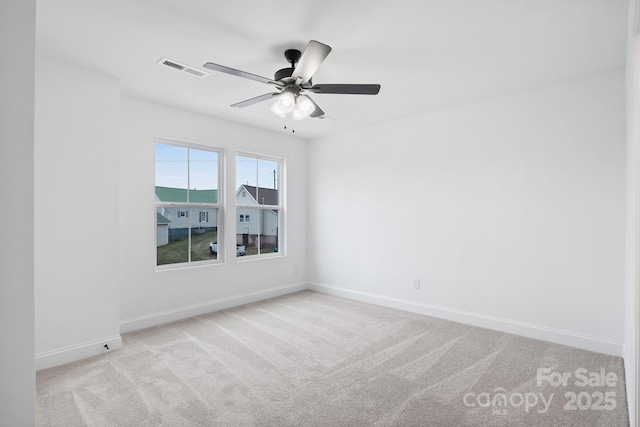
(187,182)
(259,204)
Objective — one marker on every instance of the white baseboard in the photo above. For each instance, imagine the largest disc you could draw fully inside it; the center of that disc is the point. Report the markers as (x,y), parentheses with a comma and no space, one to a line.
(73,353)
(558,336)
(168,316)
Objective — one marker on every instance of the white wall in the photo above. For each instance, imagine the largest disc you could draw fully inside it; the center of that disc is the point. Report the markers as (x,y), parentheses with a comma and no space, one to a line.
(76,212)
(149,297)
(511,211)
(17,373)
(633,198)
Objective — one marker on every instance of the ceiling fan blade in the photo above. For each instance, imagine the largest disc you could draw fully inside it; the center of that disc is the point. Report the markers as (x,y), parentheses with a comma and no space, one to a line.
(310,61)
(347,89)
(255,100)
(239,73)
(317,113)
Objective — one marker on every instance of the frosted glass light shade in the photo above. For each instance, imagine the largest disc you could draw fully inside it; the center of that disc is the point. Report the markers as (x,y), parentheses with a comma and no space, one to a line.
(278,110)
(303,108)
(284,104)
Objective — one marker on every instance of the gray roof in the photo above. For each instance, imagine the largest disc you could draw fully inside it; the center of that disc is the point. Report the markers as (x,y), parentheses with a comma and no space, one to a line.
(161,219)
(264,196)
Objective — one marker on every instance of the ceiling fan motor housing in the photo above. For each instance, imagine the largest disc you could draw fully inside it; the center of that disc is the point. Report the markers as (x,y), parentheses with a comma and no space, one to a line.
(282,74)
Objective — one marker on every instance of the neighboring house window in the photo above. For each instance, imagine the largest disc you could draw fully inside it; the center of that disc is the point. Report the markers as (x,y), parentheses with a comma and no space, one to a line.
(187,179)
(259,204)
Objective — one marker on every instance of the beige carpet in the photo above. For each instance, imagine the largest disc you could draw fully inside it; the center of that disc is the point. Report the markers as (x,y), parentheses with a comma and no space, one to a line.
(309,359)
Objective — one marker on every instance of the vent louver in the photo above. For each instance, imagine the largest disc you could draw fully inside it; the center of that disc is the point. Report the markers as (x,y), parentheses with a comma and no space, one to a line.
(178,66)
(172,64)
(195,72)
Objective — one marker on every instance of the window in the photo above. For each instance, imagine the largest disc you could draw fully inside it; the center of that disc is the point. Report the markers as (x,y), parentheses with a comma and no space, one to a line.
(186,186)
(259,204)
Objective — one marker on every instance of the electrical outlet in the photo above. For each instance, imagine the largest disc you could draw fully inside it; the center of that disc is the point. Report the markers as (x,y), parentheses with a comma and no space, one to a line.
(416,283)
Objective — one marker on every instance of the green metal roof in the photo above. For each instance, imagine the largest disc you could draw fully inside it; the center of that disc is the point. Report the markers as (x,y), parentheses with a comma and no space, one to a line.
(161,219)
(179,195)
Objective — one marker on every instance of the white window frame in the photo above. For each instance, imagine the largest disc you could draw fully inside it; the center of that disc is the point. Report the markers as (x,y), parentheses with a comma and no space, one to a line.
(187,206)
(280,207)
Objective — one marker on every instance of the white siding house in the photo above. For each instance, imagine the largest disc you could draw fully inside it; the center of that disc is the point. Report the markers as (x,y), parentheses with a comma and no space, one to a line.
(180,218)
(162,229)
(256,224)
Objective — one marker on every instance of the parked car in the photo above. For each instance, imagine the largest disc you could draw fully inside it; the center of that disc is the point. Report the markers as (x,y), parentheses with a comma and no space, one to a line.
(240,249)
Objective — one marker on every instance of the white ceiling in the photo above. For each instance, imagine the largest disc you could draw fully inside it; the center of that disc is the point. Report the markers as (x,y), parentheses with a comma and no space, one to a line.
(427,55)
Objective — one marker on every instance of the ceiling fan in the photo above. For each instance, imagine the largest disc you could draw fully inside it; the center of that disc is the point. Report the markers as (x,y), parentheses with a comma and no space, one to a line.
(292,83)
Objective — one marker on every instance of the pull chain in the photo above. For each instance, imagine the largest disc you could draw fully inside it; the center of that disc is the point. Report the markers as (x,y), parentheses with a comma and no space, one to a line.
(292,127)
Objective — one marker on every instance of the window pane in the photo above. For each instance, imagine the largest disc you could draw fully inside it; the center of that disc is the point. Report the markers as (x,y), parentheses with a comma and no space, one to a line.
(203,176)
(247,232)
(269,231)
(259,230)
(257,181)
(267,182)
(172,238)
(204,234)
(171,173)
(246,171)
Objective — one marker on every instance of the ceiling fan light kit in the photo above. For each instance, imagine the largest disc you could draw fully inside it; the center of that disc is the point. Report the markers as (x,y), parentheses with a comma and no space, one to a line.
(294,81)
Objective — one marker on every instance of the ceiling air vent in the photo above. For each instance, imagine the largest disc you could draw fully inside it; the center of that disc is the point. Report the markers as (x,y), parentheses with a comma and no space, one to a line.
(178,66)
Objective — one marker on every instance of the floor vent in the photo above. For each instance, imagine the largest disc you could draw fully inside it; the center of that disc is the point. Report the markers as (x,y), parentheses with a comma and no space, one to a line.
(178,66)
